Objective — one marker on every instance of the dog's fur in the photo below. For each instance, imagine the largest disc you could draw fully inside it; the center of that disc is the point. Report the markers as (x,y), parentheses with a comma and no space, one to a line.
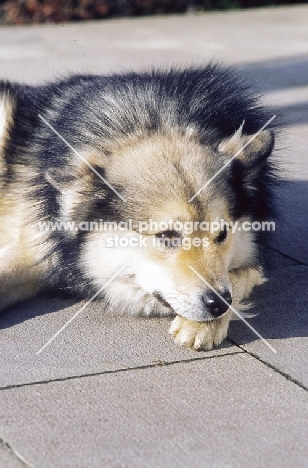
(157,138)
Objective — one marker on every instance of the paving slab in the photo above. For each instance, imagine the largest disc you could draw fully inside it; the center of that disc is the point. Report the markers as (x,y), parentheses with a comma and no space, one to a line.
(99,342)
(229,411)
(95,342)
(239,405)
(282,320)
(238,37)
(292,224)
(9,459)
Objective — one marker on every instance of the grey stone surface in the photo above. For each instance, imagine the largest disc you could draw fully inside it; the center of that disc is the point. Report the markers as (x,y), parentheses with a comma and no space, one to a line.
(282,320)
(8,458)
(292,225)
(224,410)
(229,411)
(94,342)
(273,38)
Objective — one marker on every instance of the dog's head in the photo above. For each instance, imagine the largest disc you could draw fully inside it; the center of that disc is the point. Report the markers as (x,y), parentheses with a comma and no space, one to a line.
(174,226)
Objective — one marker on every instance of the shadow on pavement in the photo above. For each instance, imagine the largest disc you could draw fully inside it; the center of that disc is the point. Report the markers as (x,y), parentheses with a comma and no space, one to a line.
(277,74)
(285,74)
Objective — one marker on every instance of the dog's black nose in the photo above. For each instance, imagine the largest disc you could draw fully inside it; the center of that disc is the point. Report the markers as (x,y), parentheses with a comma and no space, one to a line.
(214,304)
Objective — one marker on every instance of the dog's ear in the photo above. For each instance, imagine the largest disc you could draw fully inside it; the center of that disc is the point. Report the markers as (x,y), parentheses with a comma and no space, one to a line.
(63,180)
(77,188)
(82,174)
(82,180)
(74,191)
(250,150)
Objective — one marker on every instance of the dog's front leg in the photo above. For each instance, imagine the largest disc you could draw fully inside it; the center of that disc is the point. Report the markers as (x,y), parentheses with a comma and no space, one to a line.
(243,281)
(200,335)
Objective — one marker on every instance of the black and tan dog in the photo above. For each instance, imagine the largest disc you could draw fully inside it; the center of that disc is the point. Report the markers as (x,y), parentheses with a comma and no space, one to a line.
(156,139)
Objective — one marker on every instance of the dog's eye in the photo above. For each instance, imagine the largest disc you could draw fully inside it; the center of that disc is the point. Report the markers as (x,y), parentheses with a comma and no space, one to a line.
(167,235)
(221,236)
(169,238)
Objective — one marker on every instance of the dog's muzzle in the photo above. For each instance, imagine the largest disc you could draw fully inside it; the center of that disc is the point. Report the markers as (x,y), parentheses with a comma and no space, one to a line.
(217,305)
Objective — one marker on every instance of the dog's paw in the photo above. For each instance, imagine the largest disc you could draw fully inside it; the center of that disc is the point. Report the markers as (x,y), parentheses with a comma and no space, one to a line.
(243,281)
(199,335)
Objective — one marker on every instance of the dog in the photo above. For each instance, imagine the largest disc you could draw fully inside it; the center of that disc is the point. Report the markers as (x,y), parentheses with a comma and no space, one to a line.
(153,161)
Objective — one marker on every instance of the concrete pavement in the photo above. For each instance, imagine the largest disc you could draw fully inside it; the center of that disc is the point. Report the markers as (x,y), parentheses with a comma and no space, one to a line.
(115,391)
